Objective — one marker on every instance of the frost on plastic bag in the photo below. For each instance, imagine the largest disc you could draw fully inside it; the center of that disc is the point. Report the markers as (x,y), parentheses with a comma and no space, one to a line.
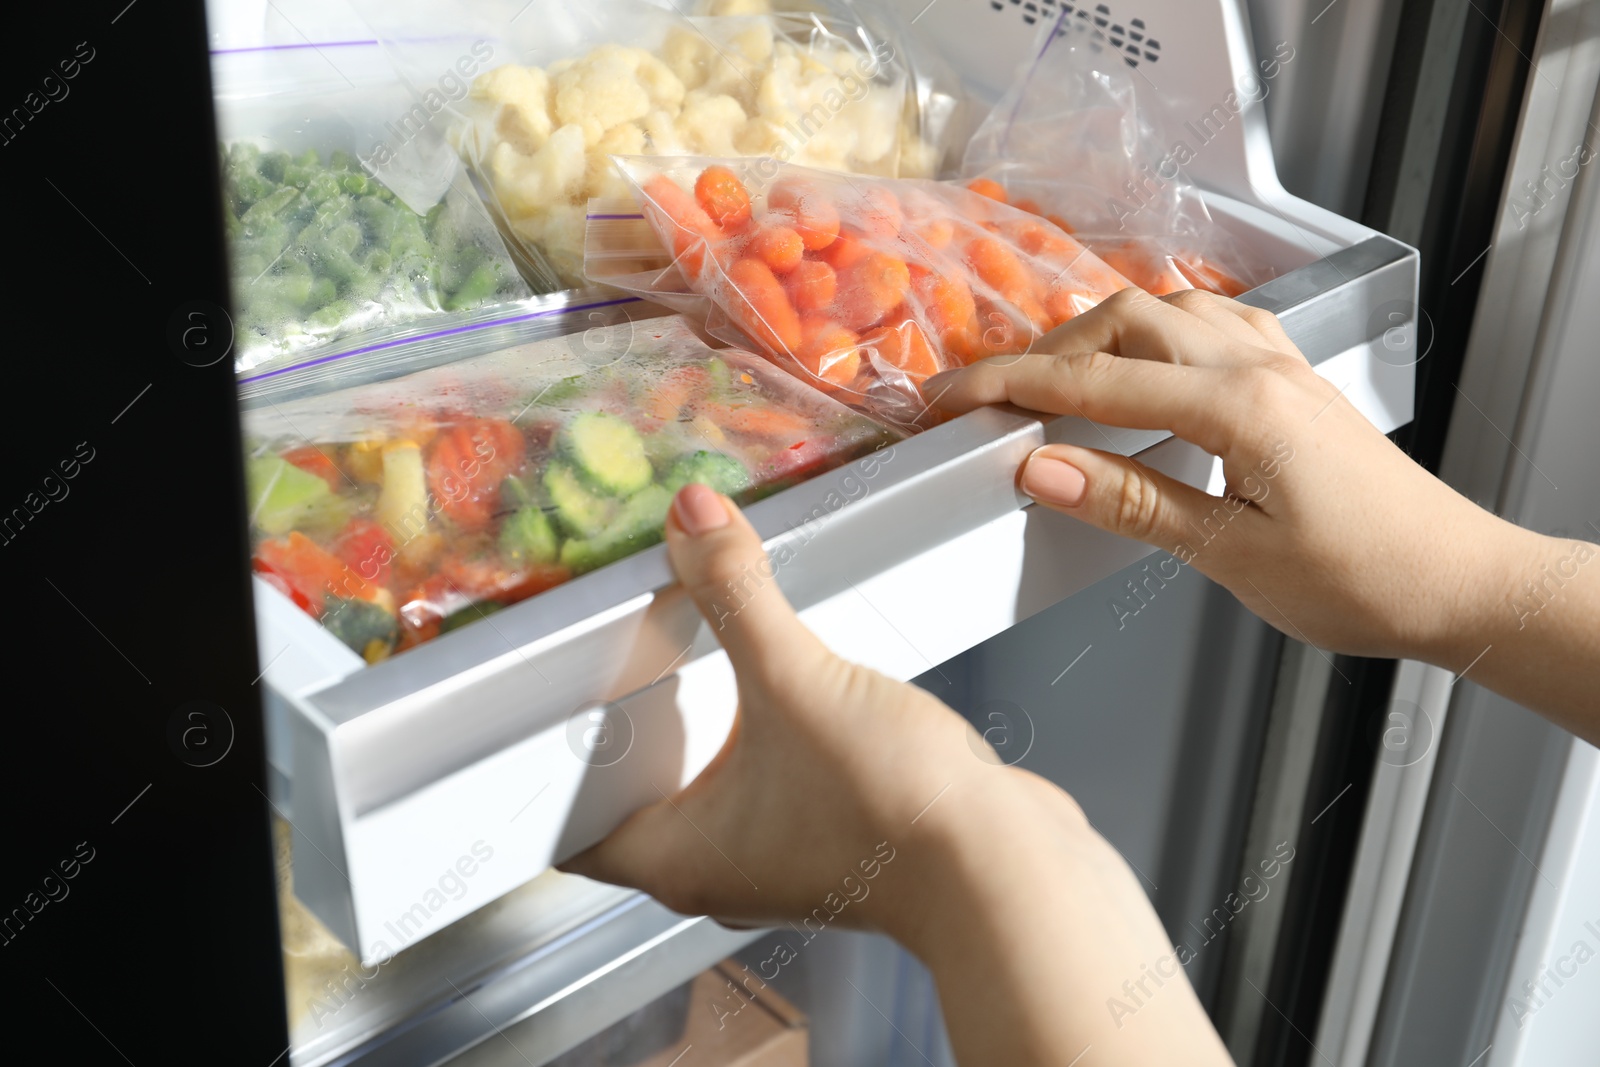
(863,287)
(331,231)
(402,509)
(1070,140)
(568,85)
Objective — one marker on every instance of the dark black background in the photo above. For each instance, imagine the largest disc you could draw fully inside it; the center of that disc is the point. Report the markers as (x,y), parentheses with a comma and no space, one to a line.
(128,598)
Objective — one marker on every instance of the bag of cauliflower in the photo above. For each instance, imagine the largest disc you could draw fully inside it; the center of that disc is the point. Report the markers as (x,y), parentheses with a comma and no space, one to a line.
(566,87)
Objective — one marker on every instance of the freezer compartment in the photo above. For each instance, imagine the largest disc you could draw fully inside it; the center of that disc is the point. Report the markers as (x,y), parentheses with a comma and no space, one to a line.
(536,734)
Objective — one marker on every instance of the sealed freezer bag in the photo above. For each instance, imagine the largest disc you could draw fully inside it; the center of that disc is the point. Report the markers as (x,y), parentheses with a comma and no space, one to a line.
(863,287)
(1072,140)
(336,237)
(569,85)
(399,510)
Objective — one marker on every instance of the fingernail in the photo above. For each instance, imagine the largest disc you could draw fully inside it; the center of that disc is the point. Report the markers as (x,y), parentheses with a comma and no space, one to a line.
(699,509)
(1052,481)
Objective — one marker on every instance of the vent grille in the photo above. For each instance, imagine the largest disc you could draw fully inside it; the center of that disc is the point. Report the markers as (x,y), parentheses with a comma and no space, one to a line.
(1131,40)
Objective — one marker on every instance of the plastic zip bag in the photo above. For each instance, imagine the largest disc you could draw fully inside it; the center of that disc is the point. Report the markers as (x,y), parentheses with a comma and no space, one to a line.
(1072,140)
(397,510)
(569,85)
(386,353)
(863,287)
(330,237)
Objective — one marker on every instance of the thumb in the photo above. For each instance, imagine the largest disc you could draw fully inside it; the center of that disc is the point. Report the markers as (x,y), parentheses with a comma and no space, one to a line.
(719,559)
(1118,494)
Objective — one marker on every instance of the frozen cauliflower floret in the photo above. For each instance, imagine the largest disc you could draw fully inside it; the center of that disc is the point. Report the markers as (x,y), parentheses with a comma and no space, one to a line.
(661,129)
(759,137)
(917,157)
(685,52)
(600,91)
(664,88)
(624,140)
(521,96)
(708,123)
(555,172)
(730,73)
(875,123)
(752,43)
(604,180)
(777,94)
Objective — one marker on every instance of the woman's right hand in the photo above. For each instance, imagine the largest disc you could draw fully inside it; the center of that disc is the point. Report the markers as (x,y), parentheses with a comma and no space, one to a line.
(1327,530)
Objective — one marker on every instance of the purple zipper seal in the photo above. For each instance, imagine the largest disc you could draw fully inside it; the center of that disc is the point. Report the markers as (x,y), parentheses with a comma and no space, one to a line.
(372,42)
(289,47)
(379,346)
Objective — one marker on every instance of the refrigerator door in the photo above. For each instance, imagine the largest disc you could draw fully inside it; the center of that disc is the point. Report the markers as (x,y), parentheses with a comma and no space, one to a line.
(1462,931)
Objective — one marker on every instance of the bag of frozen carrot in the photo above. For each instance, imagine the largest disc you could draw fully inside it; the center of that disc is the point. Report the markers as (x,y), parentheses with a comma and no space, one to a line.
(1076,140)
(862,286)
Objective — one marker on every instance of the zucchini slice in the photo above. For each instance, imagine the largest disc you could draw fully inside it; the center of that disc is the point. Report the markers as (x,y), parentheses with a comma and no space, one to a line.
(608,451)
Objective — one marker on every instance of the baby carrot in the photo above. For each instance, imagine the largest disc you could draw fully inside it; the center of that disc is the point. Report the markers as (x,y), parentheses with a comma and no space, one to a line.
(947,303)
(693,232)
(759,306)
(828,351)
(813,285)
(815,218)
(871,288)
(937,232)
(845,251)
(723,197)
(881,213)
(997,265)
(778,246)
(988,187)
(905,346)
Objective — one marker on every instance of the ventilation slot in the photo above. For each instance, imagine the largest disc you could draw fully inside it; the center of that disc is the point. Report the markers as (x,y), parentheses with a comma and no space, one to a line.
(1096,26)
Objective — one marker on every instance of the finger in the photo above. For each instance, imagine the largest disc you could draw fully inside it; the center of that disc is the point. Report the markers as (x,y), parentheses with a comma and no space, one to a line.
(719,559)
(1127,498)
(1210,309)
(1136,325)
(1263,323)
(1196,403)
(639,854)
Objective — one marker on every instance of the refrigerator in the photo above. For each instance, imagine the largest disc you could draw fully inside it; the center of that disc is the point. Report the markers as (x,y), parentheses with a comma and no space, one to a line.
(1199,741)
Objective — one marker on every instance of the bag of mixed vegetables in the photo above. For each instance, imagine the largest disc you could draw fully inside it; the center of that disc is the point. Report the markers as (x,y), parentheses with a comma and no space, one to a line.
(401,509)
(341,233)
(1072,141)
(565,86)
(863,287)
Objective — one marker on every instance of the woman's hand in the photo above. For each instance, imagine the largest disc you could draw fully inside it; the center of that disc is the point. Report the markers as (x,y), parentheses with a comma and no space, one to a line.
(844,797)
(828,766)
(1327,530)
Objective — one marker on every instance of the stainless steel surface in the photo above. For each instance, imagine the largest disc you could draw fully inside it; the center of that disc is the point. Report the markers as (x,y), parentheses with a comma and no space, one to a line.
(1276,816)
(1522,441)
(1322,106)
(1387,848)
